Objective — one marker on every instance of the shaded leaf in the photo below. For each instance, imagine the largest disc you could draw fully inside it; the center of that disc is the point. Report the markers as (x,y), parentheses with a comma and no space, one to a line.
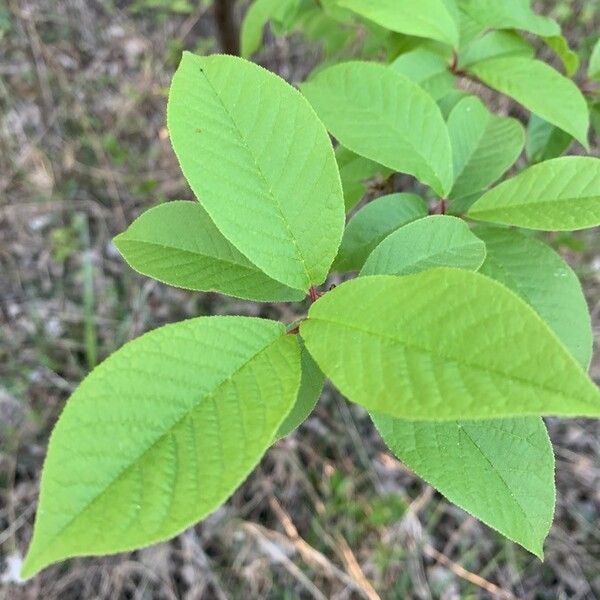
(178,244)
(382,115)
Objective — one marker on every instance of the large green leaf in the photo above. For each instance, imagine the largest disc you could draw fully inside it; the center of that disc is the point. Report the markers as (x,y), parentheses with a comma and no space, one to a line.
(436,241)
(355,172)
(178,244)
(484,146)
(444,344)
(543,279)
(562,194)
(541,89)
(379,113)
(160,434)
(426,18)
(509,14)
(544,140)
(261,164)
(501,471)
(311,386)
(373,223)
(427,68)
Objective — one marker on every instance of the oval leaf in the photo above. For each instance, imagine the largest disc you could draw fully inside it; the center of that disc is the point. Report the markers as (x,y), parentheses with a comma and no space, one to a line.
(484,146)
(545,281)
(160,434)
(544,140)
(427,18)
(562,194)
(501,471)
(382,115)
(373,223)
(437,241)
(445,344)
(178,244)
(541,89)
(261,164)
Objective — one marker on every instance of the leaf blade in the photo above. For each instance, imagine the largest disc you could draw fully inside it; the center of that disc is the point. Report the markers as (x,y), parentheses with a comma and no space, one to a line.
(445,344)
(177,243)
(384,116)
(142,484)
(436,241)
(561,194)
(226,115)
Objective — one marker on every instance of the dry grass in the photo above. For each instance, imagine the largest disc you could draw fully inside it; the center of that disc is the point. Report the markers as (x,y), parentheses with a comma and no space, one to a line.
(328,513)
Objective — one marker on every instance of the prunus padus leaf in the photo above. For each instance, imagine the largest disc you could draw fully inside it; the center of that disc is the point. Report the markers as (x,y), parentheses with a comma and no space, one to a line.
(427,68)
(545,281)
(261,164)
(382,115)
(562,194)
(501,471)
(374,222)
(436,241)
(484,146)
(509,14)
(495,44)
(355,172)
(539,88)
(160,434)
(177,243)
(593,71)
(427,18)
(544,140)
(444,344)
(569,59)
(311,386)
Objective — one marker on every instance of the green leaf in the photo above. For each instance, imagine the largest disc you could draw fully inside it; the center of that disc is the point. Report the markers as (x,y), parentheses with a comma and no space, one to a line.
(539,88)
(355,172)
(545,281)
(283,208)
(178,244)
(562,194)
(561,48)
(544,140)
(258,15)
(501,471)
(509,14)
(450,100)
(311,386)
(382,115)
(593,71)
(373,223)
(495,44)
(484,146)
(427,18)
(445,344)
(160,434)
(427,68)
(436,241)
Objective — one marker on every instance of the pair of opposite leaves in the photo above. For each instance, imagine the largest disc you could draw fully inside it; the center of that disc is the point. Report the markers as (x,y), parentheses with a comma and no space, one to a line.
(227,384)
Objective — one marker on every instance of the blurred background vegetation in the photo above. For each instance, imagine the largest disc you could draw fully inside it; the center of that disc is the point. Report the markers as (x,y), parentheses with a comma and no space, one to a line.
(329,513)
